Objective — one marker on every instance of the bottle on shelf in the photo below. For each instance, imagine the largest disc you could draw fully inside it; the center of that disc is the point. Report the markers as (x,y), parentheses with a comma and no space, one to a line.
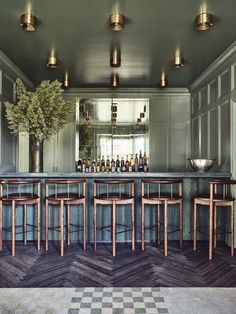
(122,165)
(108,167)
(136,163)
(127,163)
(84,165)
(94,165)
(79,166)
(103,167)
(140,162)
(98,167)
(145,163)
(118,164)
(113,165)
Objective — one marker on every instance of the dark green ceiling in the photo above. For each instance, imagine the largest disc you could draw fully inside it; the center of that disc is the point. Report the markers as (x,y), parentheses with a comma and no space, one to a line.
(79,32)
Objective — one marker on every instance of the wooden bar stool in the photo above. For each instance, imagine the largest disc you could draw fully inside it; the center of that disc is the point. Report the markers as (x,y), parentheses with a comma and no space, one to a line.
(153,193)
(114,192)
(66,193)
(220,195)
(19,193)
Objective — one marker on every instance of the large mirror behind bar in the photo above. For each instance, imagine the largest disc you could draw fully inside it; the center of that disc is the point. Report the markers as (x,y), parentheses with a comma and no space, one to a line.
(107,129)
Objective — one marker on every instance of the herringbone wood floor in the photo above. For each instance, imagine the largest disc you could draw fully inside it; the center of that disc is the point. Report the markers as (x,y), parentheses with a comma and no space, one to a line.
(30,268)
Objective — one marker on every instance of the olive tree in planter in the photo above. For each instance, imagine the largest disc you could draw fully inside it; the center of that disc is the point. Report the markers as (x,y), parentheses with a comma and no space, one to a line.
(41,113)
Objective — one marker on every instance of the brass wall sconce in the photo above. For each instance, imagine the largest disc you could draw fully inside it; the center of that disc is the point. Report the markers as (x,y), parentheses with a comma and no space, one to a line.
(204,21)
(139,120)
(52,61)
(115,60)
(117,21)
(28,22)
(115,80)
(142,115)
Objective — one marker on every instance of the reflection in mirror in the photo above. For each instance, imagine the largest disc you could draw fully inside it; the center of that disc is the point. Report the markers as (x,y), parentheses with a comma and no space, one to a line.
(107,128)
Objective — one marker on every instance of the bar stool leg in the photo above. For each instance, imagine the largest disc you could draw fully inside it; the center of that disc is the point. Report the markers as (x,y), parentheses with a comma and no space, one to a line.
(38,226)
(166,228)
(158,225)
(232,229)
(0,225)
(46,225)
(13,209)
(25,225)
(95,225)
(62,226)
(215,223)
(210,230)
(133,227)
(84,227)
(143,222)
(113,228)
(68,224)
(181,225)
(195,226)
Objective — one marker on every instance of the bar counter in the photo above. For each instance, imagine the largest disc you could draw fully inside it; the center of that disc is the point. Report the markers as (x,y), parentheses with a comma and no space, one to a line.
(194,183)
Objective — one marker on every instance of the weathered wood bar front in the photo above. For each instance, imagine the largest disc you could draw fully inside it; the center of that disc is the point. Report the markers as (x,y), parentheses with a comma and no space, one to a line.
(193,184)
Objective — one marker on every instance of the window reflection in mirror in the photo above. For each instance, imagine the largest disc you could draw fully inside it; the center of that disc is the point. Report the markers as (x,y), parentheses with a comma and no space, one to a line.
(110,127)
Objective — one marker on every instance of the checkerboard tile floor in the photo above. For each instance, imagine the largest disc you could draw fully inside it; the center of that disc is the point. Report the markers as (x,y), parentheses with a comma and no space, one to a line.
(117,301)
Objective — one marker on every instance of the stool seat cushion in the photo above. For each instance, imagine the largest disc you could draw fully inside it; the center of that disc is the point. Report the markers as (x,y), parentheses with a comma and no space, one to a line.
(65,196)
(114,196)
(161,197)
(216,198)
(19,197)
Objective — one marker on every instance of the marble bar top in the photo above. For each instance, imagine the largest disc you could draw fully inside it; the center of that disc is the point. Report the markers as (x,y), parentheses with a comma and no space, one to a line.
(117,175)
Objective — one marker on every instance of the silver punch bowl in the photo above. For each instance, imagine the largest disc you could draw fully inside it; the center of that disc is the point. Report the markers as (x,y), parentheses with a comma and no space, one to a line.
(201,165)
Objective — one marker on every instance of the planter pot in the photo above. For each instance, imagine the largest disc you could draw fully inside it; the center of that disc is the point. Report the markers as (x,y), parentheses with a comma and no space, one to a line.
(36,155)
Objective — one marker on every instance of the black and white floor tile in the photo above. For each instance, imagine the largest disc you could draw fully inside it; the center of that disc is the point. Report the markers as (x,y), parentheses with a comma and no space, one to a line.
(117,301)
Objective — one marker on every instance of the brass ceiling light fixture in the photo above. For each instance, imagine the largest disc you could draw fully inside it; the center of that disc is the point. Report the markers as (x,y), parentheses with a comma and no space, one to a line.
(115,80)
(52,61)
(203,21)
(28,22)
(178,61)
(115,60)
(163,80)
(66,82)
(117,21)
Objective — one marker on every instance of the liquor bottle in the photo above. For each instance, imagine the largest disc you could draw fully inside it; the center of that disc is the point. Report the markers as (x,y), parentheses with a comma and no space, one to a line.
(145,163)
(84,165)
(89,165)
(117,164)
(136,163)
(140,162)
(98,165)
(132,162)
(113,165)
(127,163)
(79,166)
(108,168)
(122,165)
(103,164)
(93,165)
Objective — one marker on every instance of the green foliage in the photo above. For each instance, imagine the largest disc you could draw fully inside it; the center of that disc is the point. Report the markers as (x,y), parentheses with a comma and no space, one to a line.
(41,113)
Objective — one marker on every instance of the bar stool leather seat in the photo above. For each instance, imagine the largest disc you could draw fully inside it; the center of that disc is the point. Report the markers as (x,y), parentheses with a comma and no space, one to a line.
(159,197)
(16,198)
(113,198)
(213,200)
(66,198)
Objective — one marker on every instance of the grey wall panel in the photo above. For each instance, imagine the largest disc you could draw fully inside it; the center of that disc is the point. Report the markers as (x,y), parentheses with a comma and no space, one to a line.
(195,103)
(159,109)
(213,91)
(224,83)
(213,133)
(195,138)
(203,135)
(159,146)
(224,136)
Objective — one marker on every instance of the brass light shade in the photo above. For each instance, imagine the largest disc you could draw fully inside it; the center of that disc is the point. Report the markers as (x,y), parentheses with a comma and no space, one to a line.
(66,82)
(163,81)
(52,62)
(204,21)
(115,80)
(28,22)
(117,21)
(115,60)
(178,62)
